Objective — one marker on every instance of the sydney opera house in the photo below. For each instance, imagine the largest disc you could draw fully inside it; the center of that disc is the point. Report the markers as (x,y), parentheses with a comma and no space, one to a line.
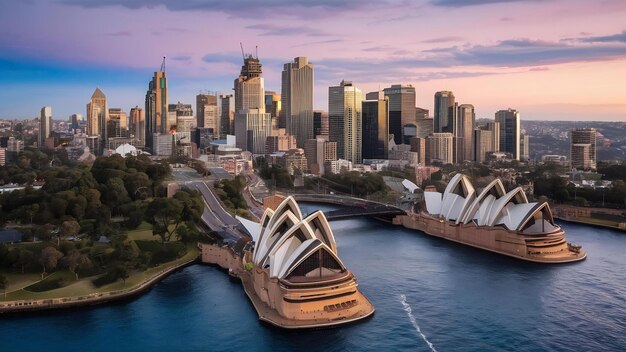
(297,279)
(495,220)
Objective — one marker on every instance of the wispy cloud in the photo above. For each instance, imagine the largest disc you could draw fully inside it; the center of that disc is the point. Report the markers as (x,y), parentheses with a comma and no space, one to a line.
(620,37)
(181,58)
(244,8)
(278,30)
(464,3)
(443,39)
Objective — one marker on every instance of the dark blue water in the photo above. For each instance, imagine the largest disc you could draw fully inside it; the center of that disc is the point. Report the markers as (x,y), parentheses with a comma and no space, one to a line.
(425,290)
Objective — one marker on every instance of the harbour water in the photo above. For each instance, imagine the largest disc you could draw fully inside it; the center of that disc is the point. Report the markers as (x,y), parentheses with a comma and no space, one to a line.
(429,294)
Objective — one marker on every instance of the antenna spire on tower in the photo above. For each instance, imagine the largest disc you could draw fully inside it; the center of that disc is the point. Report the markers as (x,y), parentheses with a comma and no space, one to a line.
(163,65)
(242,53)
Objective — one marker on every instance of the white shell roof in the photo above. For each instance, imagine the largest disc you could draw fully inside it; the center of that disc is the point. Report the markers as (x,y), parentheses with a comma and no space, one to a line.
(287,238)
(491,207)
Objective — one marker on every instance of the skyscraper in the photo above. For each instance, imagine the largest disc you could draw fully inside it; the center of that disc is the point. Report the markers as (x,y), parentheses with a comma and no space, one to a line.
(137,126)
(117,124)
(45,125)
(583,148)
(252,123)
(524,147)
(445,112)
(320,123)
(494,127)
(464,133)
(297,99)
(344,117)
(401,109)
(509,132)
(483,144)
(440,148)
(206,112)
(376,128)
(75,119)
(226,116)
(97,115)
(156,107)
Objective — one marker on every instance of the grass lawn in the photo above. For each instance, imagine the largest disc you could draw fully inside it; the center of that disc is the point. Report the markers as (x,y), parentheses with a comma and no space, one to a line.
(84,287)
(145,234)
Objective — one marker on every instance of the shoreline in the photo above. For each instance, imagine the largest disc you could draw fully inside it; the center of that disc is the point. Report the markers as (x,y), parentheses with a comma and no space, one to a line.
(19,307)
(592,224)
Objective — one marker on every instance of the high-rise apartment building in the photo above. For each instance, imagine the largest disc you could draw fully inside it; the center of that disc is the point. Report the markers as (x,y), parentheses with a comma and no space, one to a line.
(207,112)
(45,125)
(464,133)
(252,124)
(97,114)
(156,108)
(583,148)
(484,143)
(137,126)
(445,112)
(401,109)
(524,147)
(375,124)
(440,148)
(227,116)
(494,127)
(509,132)
(344,117)
(297,99)
(318,151)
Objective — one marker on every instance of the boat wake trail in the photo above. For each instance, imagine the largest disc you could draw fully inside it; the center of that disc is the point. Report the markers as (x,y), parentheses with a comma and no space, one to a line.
(409,312)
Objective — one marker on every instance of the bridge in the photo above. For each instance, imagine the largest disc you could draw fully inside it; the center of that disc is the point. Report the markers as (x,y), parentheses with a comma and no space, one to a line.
(351,206)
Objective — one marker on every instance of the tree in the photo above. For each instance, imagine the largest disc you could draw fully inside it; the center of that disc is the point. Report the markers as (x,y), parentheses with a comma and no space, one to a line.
(69,228)
(4,283)
(25,258)
(74,261)
(163,214)
(122,272)
(49,259)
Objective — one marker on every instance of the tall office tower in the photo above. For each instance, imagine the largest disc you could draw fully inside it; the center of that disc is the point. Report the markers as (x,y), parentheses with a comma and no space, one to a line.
(440,148)
(464,133)
(424,127)
(344,120)
(206,112)
(583,148)
(524,147)
(138,126)
(75,119)
(226,116)
(494,127)
(45,125)
(401,109)
(156,107)
(375,124)
(418,145)
(273,104)
(252,123)
(297,99)
(97,115)
(484,143)
(117,123)
(320,123)
(509,132)
(445,112)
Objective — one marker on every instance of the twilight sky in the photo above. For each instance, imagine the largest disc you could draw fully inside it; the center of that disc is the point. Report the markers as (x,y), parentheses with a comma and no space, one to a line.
(552,59)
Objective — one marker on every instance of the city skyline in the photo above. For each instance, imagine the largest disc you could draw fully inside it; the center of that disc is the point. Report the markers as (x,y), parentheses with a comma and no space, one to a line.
(516,54)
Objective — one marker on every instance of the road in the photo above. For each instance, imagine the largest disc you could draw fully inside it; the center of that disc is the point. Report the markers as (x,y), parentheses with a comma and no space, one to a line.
(214,215)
